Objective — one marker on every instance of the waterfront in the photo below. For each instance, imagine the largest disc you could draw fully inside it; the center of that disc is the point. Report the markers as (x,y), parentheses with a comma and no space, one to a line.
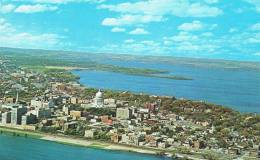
(235,88)
(21,148)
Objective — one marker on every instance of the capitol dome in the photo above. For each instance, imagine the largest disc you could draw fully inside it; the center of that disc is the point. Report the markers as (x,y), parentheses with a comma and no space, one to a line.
(99,94)
(99,101)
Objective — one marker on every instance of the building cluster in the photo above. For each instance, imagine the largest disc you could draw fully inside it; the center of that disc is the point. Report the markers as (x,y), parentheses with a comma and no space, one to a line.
(60,108)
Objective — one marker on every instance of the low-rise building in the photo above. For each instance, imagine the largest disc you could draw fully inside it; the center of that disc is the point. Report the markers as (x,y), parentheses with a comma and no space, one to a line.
(43,113)
(90,133)
(69,125)
(29,119)
(75,114)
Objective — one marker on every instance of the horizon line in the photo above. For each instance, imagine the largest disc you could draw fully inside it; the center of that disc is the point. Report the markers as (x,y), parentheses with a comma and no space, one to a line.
(136,55)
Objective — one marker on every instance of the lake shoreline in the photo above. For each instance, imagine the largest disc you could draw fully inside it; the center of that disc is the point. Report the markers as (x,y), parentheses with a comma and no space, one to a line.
(155,73)
(80,142)
(227,102)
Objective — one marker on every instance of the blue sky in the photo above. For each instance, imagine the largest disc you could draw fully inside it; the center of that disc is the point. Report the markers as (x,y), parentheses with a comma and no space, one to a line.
(226,29)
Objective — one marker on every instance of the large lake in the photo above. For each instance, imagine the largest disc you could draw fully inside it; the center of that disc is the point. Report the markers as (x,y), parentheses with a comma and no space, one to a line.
(21,148)
(237,88)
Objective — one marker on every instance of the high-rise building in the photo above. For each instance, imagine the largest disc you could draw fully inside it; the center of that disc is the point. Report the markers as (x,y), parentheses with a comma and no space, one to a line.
(16,115)
(6,117)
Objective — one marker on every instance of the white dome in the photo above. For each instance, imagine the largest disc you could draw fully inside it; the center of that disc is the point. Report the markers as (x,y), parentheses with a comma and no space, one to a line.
(99,94)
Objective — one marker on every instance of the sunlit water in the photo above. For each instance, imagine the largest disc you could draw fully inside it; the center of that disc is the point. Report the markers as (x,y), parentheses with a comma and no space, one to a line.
(21,148)
(235,88)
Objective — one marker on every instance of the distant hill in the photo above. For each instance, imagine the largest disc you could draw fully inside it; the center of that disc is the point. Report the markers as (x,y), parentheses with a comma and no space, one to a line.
(104,57)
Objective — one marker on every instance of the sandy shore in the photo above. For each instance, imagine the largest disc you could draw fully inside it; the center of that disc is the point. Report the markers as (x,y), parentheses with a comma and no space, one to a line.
(95,144)
(66,140)
(65,68)
(123,148)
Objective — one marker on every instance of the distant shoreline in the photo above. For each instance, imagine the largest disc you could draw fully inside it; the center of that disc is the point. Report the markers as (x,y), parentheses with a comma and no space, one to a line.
(128,71)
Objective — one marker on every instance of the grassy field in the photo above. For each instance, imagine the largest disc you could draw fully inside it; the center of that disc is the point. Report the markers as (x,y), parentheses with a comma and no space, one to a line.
(22,133)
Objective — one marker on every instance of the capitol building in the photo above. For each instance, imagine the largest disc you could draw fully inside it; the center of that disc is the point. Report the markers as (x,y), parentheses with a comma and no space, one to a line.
(99,102)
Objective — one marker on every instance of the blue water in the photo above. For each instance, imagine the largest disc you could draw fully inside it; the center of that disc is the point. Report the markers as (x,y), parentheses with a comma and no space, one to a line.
(21,148)
(235,88)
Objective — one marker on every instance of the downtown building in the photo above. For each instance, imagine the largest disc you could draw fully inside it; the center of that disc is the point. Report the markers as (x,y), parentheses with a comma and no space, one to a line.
(6,117)
(16,115)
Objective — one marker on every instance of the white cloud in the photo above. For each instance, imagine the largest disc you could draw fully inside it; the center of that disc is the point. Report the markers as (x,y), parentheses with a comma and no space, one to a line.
(254,39)
(131,20)
(257,54)
(5,27)
(34,8)
(29,40)
(185,44)
(193,26)
(189,43)
(182,36)
(168,43)
(196,26)
(118,29)
(256,3)
(151,43)
(190,47)
(129,41)
(58,1)
(7,8)
(211,1)
(11,37)
(180,8)
(138,31)
(69,1)
(135,47)
(147,11)
(207,34)
(256,27)
(232,30)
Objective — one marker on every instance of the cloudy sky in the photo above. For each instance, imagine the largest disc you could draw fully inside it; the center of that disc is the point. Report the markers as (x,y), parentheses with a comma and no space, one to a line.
(227,29)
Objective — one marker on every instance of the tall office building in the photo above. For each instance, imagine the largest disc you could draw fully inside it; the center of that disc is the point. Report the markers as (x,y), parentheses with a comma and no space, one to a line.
(6,117)
(16,115)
